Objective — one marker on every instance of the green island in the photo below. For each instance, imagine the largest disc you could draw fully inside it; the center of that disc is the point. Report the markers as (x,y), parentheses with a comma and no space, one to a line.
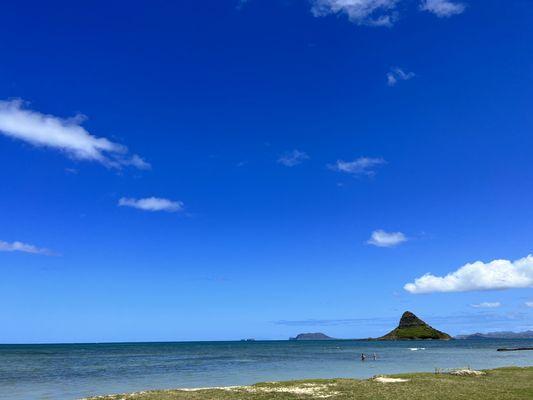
(497,384)
(413,328)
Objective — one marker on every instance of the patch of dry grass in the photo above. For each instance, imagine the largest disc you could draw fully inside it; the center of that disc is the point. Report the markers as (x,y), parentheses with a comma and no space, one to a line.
(498,384)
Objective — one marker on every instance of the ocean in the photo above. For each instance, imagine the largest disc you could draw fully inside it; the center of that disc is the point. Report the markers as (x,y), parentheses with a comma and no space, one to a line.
(74,371)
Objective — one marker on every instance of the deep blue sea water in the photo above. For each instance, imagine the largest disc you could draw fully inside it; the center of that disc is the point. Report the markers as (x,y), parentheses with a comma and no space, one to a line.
(66,372)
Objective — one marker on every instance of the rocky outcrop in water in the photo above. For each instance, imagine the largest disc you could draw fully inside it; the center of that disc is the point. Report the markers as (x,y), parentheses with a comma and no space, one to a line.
(413,328)
(311,336)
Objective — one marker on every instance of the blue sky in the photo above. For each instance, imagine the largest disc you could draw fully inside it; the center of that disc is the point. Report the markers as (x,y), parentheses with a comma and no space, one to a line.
(221,169)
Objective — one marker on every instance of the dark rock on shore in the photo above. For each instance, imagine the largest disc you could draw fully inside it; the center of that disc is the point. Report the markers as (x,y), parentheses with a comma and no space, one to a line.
(516,349)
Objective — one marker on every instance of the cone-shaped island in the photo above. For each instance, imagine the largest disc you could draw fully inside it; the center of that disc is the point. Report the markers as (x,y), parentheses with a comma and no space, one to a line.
(413,328)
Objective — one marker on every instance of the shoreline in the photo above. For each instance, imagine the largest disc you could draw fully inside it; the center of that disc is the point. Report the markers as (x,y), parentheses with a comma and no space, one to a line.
(508,382)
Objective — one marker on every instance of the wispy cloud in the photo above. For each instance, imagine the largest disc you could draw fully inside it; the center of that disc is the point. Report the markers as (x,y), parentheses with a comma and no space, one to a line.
(152,204)
(361,166)
(381,238)
(529,304)
(66,135)
(24,248)
(293,158)
(487,305)
(442,8)
(495,275)
(360,12)
(381,12)
(397,74)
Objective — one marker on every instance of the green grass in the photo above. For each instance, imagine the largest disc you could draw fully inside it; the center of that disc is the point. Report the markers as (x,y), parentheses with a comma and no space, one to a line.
(498,384)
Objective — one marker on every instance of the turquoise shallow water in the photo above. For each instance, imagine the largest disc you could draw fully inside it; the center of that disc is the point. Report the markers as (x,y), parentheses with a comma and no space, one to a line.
(66,372)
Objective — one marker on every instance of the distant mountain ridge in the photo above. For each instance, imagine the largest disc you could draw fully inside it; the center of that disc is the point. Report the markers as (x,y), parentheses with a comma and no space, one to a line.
(498,335)
(312,336)
(413,328)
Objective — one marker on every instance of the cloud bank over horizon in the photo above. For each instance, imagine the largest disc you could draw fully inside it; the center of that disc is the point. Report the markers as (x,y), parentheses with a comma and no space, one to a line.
(478,276)
(66,135)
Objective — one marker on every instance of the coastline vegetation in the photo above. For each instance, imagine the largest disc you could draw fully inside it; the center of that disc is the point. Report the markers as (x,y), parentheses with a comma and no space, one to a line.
(413,328)
(498,384)
(415,333)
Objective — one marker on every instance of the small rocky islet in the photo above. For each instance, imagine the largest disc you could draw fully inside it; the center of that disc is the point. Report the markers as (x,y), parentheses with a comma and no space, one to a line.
(312,336)
(413,328)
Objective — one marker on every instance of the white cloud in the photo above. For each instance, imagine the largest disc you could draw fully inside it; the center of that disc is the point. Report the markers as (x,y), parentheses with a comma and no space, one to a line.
(442,8)
(381,238)
(487,305)
(380,12)
(360,166)
(66,135)
(529,304)
(293,158)
(497,274)
(397,74)
(152,204)
(23,247)
(361,12)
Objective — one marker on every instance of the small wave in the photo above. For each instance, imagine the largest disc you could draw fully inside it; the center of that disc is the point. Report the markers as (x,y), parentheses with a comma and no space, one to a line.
(416,348)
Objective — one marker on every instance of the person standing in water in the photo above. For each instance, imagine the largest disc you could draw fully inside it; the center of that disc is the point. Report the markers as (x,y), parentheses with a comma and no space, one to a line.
(363,357)
(374,356)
